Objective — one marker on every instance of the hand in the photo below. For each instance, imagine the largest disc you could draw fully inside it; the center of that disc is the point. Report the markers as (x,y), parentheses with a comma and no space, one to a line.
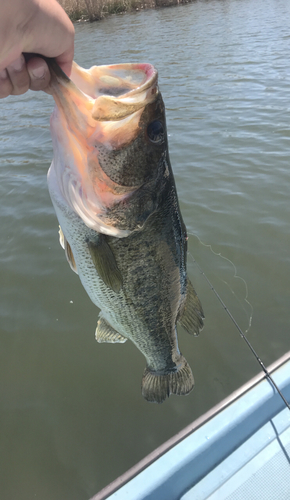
(33,26)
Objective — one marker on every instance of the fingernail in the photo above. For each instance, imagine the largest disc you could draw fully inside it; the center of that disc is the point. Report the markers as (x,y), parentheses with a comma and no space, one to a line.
(38,72)
(18,64)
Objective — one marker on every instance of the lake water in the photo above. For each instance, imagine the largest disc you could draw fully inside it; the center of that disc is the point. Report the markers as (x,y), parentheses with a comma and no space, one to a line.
(72,417)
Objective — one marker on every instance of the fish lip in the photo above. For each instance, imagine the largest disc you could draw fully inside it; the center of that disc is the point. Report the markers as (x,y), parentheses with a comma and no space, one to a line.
(86,88)
(117,90)
(92,88)
(105,72)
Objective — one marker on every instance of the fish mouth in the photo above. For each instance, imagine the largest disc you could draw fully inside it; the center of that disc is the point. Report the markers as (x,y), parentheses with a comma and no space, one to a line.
(100,106)
(117,90)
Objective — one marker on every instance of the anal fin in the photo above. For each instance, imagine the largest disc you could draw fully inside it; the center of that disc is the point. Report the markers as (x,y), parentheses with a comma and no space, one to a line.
(105,333)
(192,316)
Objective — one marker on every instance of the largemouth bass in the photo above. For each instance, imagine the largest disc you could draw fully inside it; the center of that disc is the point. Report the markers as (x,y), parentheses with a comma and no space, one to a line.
(114,194)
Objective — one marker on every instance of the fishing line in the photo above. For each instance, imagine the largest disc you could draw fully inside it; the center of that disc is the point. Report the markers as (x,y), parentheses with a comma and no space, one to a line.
(269,377)
(218,254)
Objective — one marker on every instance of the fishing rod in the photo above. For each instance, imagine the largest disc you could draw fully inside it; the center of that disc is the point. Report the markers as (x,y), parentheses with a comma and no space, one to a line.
(269,377)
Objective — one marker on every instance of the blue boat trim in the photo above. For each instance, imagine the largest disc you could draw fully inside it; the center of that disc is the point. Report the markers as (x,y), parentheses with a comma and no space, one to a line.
(216,454)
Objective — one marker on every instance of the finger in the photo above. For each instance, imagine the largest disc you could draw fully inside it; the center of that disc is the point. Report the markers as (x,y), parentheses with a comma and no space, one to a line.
(65,61)
(18,75)
(5,84)
(39,73)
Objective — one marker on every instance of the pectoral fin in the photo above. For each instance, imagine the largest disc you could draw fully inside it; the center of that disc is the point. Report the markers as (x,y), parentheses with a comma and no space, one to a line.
(68,251)
(191,317)
(106,333)
(105,262)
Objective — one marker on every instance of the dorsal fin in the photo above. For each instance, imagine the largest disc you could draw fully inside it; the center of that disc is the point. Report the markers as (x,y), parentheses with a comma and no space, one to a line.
(105,262)
(191,317)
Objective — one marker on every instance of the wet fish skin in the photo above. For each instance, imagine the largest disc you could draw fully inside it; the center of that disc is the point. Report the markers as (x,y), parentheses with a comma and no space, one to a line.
(147,172)
(138,280)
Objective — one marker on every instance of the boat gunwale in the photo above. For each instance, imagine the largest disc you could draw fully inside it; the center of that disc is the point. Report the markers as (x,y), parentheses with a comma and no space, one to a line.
(188,430)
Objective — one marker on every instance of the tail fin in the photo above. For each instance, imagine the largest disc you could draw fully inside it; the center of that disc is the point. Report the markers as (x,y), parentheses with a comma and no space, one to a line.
(156,387)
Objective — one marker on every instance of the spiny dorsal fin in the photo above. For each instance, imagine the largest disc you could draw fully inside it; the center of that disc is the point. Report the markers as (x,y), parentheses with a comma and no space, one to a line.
(192,316)
(106,333)
(68,251)
(105,262)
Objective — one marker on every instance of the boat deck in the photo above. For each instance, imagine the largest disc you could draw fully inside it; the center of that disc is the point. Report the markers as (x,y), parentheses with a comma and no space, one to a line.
(259,468)
(240,450)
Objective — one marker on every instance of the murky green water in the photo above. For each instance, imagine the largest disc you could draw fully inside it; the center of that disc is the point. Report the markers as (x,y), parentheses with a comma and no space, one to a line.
(71,414)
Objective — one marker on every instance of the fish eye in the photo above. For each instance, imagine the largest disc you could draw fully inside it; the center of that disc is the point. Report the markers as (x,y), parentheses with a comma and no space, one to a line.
(155,132)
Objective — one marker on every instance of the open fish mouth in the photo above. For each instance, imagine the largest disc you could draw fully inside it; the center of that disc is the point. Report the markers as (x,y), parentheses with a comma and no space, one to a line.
(97,116)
